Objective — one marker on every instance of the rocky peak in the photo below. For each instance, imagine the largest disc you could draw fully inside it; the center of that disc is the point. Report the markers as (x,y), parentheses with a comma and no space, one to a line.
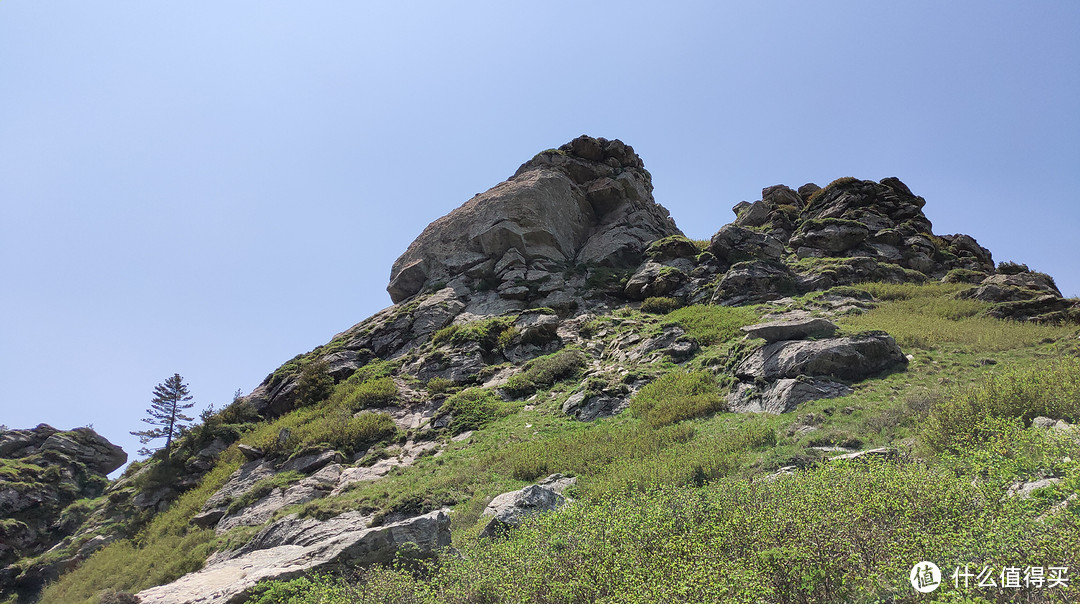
(588,203)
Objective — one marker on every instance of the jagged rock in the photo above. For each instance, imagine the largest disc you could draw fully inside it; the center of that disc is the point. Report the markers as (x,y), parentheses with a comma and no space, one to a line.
(849,358)
(339,542)
(251,453)
(751,214)
(830,236)
(306,464)
(510,509)
(559,207)
(653,279)
(586,407)
(1024,490)
(754,281)
(783,395)
(732,244)
(558,483)
(52,469)
(88,447)
(797,329)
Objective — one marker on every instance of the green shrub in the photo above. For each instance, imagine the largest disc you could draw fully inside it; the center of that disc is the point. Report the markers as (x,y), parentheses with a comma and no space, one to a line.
(677,396)
(332,426)
(711,324)
(438,385)
(473,408)
(378,392)
(315,383)
(485,331)
(660,305)
(963,275)
(1012,268)
(1052,390)
(545,371)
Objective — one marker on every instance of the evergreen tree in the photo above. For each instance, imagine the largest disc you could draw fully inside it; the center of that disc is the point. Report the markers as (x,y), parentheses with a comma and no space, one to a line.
(166,412)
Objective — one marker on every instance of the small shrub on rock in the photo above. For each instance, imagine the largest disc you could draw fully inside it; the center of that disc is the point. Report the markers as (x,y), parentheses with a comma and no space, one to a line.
(660,305)
(545,371)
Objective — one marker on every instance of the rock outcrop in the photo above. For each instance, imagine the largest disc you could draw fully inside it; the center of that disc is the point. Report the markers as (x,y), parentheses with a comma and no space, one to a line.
(588,202)
(508,510)
(294,546)
(45,471)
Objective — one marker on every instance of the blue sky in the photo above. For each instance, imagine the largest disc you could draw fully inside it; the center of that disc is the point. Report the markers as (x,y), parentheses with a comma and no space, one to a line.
(211,188)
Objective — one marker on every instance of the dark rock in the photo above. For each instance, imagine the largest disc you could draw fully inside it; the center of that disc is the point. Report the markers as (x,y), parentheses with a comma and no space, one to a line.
(734,243)
(754,281)
(783,395)
(796,329)
(849,358)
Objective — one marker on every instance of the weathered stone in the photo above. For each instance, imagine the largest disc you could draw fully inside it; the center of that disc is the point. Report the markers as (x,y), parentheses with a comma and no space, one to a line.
(734,243)
(796,329)
(754,281)
(882,453)
(306,464)
(653,279)
(558,207)
(250,453)
(338,542)
(850,358)
(587,407)
(88,447)
(510,509)
(783,395)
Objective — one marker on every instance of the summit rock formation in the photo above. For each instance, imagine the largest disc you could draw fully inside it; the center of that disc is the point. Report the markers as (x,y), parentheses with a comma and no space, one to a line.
(588,202)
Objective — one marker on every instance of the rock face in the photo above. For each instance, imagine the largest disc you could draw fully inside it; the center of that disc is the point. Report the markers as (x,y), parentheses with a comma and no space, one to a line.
(779,376)
(795,329)
(291,547)
(589,202)
(50,469)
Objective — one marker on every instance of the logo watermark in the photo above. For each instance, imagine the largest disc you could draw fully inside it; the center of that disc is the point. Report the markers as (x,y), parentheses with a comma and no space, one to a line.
(926,577)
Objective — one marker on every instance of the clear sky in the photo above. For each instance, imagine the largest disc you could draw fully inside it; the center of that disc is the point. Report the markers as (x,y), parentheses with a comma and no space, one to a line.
(210,188)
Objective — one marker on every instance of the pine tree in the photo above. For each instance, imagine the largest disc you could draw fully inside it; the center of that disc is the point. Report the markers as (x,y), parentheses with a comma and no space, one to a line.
(166,412)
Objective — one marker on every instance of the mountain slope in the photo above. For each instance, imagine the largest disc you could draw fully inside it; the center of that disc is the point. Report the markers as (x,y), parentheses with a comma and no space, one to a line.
(696,392)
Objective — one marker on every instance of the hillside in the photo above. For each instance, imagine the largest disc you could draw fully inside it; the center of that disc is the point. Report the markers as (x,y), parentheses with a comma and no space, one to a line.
(570,401)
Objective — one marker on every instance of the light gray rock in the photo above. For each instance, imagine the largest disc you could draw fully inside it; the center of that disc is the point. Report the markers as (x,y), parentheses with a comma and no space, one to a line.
(653,279)
(344,541)
(587,407)
(306,464)
(881,453)
(795,329)
(88,447)
(510,509)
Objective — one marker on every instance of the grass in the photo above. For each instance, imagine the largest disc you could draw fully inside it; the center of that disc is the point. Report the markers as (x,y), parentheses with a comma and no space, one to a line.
(473,408)
(1051,390)
(545,371)
(677,396)
(485,331)
(329,425)
(928,317)
(712,324)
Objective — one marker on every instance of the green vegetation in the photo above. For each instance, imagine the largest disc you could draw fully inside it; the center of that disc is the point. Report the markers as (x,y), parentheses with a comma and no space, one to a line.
(660,305)
(712,324)
(544,371)
(677,396)
(263,488)
(332,426)
(486,332)
(473,408)
(1051,390)
(928,317)
(377,392)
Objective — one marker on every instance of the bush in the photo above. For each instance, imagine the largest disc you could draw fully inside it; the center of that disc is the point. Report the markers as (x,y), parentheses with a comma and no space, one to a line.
(315,383)
(378,392)
(473,408)
(333,426)
(711,324)
(677,396)
(486,332)
(1012,268)
(1052,391)
(660,305)
(438,385)
(545,371)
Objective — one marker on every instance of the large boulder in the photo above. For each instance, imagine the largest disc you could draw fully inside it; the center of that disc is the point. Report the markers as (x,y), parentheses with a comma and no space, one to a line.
(588,202)
(848,358)
(791,329)
(510,509)
(294,546)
